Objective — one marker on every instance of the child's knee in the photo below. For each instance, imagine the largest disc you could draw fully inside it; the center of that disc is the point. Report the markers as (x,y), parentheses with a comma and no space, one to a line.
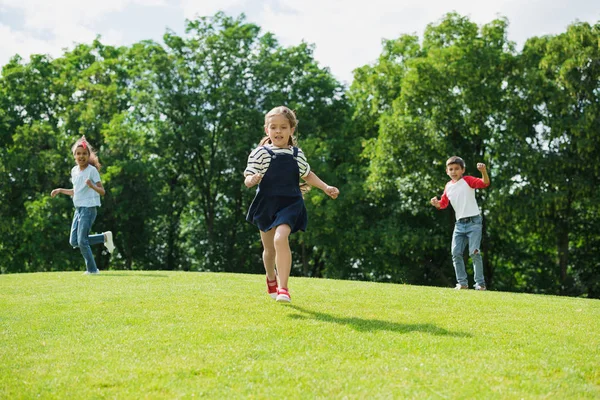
(456,252)
(280,239)
(83,242)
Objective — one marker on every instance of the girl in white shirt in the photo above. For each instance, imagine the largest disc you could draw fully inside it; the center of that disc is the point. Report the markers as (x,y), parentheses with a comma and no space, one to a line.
(86,192)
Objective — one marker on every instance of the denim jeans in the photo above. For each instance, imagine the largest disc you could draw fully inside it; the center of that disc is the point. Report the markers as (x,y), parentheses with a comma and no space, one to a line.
(467,230)
(80,235)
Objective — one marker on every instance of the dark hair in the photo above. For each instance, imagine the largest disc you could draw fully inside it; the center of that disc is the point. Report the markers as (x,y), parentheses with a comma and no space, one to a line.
(83,143)
(456,160)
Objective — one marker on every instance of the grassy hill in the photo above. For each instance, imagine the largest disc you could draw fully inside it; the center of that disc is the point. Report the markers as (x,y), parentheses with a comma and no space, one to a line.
(187,335)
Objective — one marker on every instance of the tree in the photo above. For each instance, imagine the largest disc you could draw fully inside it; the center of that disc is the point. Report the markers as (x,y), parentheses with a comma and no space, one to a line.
(550,154)
(446,99)
(214,89)
(174,125)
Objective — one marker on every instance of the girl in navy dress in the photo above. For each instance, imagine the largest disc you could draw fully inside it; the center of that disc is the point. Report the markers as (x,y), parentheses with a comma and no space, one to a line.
(278,207)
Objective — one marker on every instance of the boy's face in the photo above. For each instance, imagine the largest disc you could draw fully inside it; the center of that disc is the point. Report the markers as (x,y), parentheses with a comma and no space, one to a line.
(455,171)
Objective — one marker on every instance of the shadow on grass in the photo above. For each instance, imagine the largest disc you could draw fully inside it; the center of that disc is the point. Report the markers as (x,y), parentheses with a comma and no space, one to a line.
(134,275)
(370,325)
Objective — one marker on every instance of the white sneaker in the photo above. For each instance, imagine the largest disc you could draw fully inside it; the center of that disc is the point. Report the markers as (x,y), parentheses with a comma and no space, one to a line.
(460,287)
(91,273)
(479,287)
(110,245)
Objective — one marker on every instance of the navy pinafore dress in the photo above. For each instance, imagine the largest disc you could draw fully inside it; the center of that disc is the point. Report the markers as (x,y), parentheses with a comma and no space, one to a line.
(278,197)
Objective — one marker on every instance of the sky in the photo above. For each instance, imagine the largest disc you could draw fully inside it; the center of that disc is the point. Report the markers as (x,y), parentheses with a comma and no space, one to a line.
(347,34)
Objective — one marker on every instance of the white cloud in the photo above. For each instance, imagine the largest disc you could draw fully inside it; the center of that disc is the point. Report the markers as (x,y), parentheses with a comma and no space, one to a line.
(194,8)
(14,42)
(54,15)
(347,33)
(49,27)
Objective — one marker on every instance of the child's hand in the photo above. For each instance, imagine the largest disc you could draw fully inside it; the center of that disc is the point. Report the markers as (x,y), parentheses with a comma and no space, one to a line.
(481,167)
(55,192)
(89,183)
(435,202)
(255,179)
(332,192)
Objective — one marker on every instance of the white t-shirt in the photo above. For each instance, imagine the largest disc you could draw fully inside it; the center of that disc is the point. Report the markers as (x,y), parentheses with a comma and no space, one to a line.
(85,196)
(461,194)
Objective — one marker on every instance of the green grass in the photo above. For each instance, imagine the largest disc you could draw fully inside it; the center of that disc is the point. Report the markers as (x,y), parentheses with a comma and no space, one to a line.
(186,335)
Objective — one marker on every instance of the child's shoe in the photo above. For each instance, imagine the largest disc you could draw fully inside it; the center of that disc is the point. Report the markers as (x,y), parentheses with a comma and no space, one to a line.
(461,287)
(479,287)
(272,287)
(110,245)
(283,296)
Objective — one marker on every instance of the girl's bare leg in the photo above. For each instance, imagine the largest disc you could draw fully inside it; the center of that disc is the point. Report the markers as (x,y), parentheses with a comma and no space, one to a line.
(269,253)
(283,254)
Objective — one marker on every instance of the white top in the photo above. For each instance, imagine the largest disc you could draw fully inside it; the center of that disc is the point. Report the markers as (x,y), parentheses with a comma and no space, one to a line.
(260,159)
(461,194)
(85,196)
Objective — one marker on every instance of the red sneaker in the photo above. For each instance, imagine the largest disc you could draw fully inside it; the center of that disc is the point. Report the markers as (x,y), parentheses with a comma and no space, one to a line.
(283,296)
(272,287)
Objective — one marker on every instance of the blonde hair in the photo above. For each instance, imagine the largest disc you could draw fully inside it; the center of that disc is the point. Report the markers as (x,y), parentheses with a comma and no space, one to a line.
(93,157)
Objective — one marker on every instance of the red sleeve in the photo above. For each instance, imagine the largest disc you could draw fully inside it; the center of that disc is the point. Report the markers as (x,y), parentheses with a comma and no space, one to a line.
(475,183)
(444,201)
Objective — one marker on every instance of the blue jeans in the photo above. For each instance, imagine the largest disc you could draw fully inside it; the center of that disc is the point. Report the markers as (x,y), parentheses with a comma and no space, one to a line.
(80,235)
(467,230)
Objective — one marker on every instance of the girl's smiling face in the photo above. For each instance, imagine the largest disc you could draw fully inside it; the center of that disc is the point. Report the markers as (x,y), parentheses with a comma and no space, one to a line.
(279,130)
(82,157)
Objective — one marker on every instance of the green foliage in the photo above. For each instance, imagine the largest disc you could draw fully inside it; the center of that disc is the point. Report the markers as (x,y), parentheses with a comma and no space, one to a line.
(174,123)
(532,117)
(213,88)
(448,101)
(549,155)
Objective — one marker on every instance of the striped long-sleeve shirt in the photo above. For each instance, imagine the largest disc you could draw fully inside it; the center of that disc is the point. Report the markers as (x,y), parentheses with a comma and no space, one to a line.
(260,159)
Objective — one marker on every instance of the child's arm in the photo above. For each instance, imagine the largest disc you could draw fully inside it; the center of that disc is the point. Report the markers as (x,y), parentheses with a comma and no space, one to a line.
(313,180)
(484,175)
(440,204)
(252,180)
(97,187)
(70,192)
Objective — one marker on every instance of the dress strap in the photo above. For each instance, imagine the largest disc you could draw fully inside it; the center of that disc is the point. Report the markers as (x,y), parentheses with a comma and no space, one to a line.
(269,150)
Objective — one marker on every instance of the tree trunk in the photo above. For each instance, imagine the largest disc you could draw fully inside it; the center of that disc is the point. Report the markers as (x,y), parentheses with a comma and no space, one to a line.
(562,242)
(488,271)
(305,266)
